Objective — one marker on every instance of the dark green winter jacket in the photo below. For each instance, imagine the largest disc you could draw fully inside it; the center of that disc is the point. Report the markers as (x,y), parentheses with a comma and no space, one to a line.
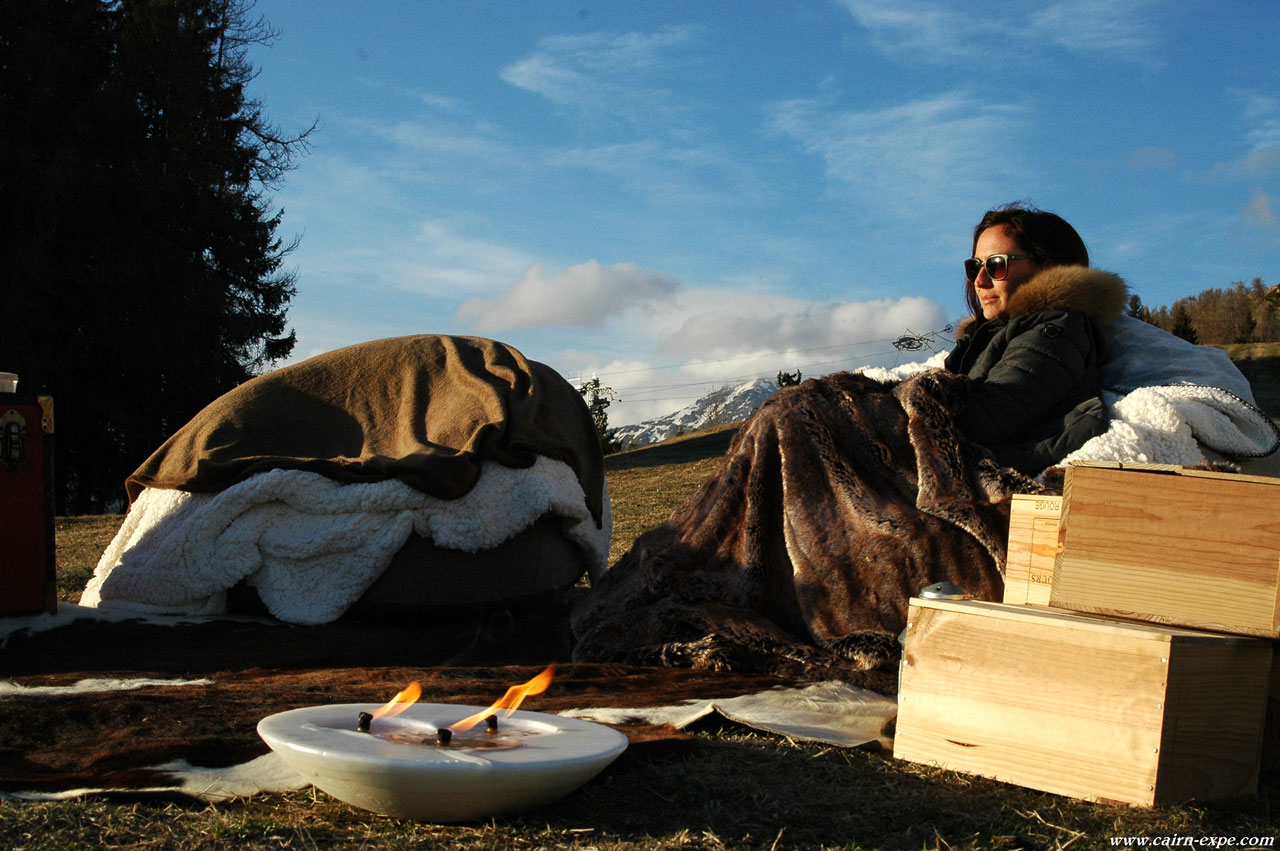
(1035,369)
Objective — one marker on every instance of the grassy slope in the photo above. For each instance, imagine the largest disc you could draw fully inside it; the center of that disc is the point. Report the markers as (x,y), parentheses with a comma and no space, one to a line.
(733,790)
(646,484)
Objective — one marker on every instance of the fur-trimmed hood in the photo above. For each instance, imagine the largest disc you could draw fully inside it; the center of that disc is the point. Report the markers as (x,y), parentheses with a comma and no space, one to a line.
(1098,294)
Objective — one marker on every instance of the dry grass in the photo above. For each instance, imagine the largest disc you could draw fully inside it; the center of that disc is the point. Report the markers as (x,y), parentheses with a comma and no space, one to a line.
(645,485)
(730,790)
(80,541)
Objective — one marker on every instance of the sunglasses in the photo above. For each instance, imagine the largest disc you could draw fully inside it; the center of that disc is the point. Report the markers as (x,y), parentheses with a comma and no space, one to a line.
(997,266)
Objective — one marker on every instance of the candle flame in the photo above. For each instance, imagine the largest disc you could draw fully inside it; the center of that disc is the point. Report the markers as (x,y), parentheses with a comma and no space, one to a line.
(510,701)
(401,701)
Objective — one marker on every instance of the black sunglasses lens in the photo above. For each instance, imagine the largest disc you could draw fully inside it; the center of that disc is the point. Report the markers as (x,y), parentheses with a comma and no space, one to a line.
(997,266)
(971,267)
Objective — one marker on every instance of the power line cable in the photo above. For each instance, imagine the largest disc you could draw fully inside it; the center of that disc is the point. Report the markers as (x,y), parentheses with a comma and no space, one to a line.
(723,380)
(909,342)
(909,336)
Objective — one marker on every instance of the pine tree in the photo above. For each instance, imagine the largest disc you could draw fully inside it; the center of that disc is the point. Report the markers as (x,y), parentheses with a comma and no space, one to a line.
(1182,326)
(143,273)
(1137,309)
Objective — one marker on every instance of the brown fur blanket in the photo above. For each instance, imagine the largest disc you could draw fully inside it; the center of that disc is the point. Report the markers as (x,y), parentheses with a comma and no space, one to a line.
(423,409)
(837,502)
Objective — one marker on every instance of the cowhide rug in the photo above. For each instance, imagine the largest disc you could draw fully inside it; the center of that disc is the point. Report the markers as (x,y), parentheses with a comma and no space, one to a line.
(152,696)
(838,501)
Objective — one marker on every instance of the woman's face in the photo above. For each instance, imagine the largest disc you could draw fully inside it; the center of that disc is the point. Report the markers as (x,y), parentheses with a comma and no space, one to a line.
(994,295)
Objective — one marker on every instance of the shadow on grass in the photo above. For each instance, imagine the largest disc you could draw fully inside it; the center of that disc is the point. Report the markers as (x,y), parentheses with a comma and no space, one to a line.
(1261,373)
(750,791)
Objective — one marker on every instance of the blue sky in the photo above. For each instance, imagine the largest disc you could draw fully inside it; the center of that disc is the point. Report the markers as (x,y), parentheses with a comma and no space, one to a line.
(676,195)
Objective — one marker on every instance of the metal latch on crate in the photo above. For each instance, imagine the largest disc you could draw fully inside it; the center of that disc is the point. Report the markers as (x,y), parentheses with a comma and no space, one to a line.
(944,591)
(939,591)
(13,439)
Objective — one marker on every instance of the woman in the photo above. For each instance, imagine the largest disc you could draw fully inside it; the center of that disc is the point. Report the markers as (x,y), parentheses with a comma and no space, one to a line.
(1035,339)
(842,497)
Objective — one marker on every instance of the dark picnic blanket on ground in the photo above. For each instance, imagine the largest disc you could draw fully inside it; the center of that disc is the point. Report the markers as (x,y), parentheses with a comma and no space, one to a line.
(838,501)
(109,739)
(423,409)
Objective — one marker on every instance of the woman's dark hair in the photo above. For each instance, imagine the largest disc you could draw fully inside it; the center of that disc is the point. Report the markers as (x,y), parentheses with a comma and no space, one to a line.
(1045,236)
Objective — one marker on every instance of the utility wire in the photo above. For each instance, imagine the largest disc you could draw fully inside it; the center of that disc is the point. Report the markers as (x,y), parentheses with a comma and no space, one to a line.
(909,342)
(721,381)
(931,335)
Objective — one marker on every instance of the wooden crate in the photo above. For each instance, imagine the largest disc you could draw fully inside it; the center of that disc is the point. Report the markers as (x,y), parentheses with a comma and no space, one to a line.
(1080,705)
(1171,545)
(1033,546)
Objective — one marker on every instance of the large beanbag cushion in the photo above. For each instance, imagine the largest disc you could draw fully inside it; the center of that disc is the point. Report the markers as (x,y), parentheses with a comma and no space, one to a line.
(454,465)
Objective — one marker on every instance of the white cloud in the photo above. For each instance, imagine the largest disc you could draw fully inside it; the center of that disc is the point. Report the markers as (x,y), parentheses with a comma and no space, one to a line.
(1142,236)
(705,338)
(1262,135)
(607,74)
(441,139)
(1260,213)
(1260,114)
(1121,30)
(924,30)
(439,260)
(1264,161)
(912,156)
(438,103)
(668,174)
(584,295)
(710,324)
(940,32)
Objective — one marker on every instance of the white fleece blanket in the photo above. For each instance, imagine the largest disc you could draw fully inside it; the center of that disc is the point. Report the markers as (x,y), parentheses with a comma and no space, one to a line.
(312,546)
(1169,401)
(1174,424)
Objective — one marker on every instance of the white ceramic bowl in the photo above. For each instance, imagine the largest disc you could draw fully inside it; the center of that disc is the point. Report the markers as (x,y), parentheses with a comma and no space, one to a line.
(534,759)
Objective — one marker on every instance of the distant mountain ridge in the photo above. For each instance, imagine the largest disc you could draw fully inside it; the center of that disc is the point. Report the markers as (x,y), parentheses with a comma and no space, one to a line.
(727,404)
(731,404)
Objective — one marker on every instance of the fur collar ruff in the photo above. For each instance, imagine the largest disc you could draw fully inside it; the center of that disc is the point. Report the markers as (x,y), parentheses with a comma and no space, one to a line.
(1098,294)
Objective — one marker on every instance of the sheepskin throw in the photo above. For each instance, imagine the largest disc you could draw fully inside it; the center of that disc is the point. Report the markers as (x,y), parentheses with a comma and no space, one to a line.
(311,546)
(836,503)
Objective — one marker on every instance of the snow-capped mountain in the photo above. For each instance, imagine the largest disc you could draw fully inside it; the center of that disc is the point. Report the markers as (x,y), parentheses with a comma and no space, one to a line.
(727,404)
(731,404)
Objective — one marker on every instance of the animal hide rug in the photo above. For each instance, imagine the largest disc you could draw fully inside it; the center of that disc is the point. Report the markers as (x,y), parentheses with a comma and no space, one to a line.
(838,501)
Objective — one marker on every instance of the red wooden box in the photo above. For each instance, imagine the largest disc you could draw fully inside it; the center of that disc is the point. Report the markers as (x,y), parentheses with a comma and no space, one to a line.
(27,557)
